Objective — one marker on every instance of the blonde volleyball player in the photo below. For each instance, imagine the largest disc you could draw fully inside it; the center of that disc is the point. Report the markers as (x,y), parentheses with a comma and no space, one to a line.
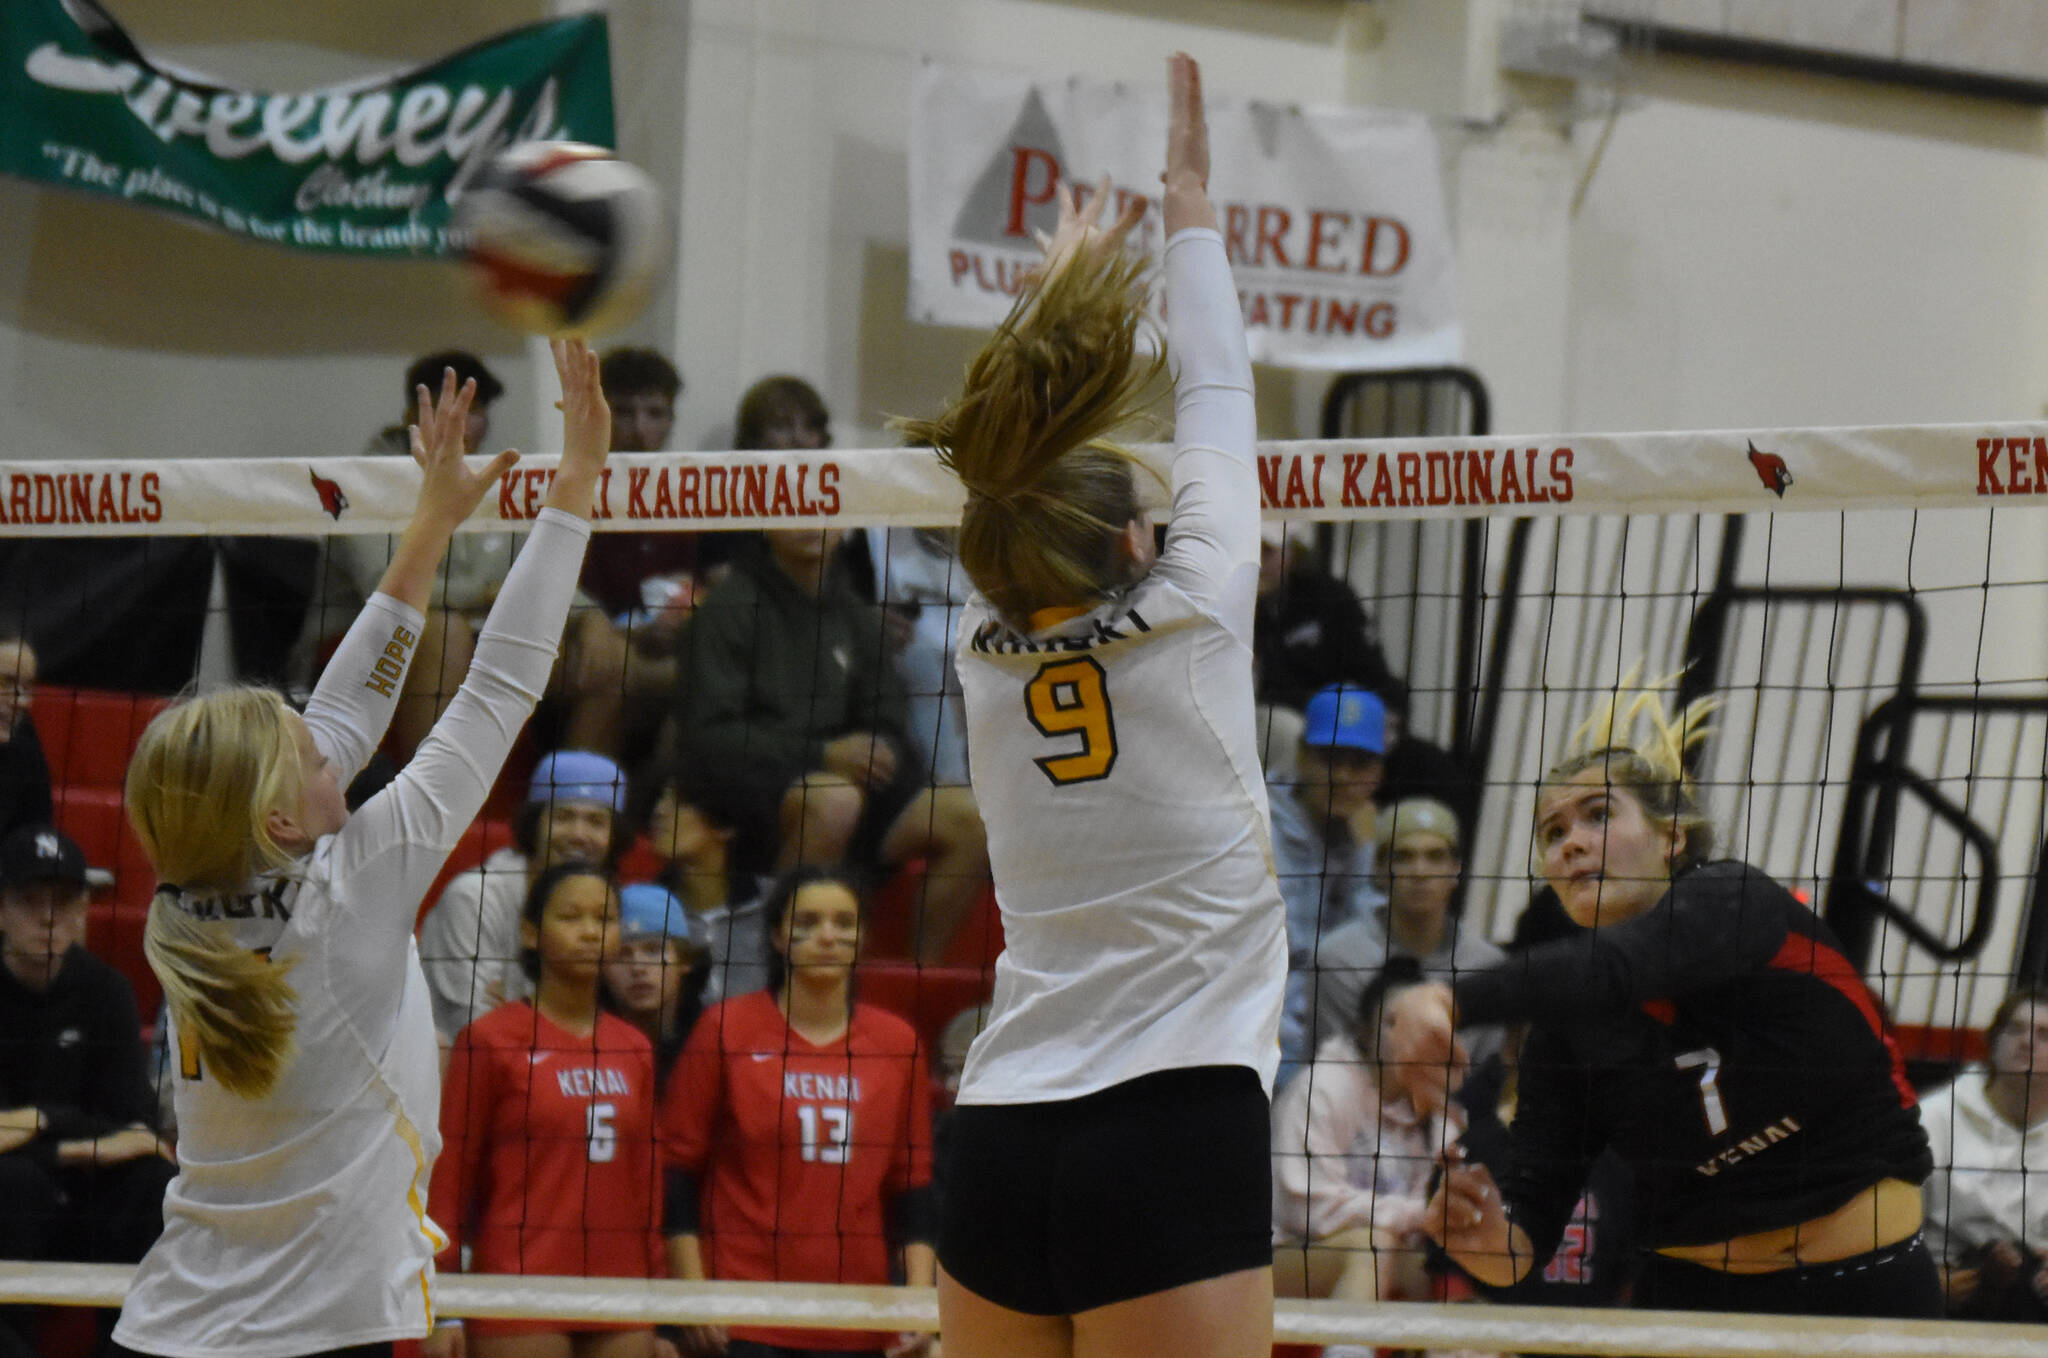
(282,934)
(1109,1187)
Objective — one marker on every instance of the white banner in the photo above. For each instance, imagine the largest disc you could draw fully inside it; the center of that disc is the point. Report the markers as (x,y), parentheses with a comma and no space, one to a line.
(1334,217)
(1695,471)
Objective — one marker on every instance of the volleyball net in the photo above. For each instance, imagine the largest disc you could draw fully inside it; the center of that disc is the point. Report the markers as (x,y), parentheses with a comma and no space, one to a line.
(1866,604)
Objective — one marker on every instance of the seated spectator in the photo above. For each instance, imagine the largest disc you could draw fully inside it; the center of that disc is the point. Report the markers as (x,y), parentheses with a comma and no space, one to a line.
(1355,1142)
(1419,848)
(787,691)
(463,589)
(24,772)
(1987,1200)
(1322,836)
(1309,630)
(619,656)
(920,587)
(641,387)
(776,414)
(547,1120)
(797,1130)
(469,940)
(691,829)
(82,1175)
(655,979)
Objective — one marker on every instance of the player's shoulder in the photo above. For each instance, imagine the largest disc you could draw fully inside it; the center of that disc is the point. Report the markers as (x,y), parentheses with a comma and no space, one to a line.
(740,1023)
(507,1026)
(875,1030)
(614,1034)
(1733,881)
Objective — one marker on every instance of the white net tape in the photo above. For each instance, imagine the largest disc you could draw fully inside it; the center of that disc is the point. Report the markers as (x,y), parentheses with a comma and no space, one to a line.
(1694,471)
(1520,1329)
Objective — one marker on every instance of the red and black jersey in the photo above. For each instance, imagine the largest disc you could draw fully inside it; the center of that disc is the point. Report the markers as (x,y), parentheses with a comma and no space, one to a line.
(548,1157)
(1722,1045)
(799,1148)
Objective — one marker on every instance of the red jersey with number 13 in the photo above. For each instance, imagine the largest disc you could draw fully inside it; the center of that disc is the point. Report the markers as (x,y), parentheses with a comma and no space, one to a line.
(798,1147)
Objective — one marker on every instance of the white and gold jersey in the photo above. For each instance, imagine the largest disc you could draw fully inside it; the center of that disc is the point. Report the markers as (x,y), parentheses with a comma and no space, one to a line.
(1115,764)
(298,1221)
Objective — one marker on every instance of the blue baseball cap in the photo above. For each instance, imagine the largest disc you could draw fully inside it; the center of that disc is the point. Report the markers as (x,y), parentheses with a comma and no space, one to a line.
(1344,714)
(650,910)
(578,776)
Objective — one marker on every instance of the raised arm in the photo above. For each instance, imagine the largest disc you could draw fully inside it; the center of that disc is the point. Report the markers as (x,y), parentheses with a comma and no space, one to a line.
(1213,541)
(400,838)
(352,705)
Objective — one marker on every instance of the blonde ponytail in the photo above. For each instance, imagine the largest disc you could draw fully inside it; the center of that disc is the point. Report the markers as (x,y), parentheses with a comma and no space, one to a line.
(1049,493)
(201,785)
(1653,767)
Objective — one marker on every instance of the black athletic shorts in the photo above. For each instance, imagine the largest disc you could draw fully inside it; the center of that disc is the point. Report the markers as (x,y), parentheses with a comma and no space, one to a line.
(1897,1282)
(1057,1208)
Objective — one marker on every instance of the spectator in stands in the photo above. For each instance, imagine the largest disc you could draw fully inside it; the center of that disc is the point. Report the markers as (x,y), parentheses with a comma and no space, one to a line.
(1310,630)
(1987,1200)
(1355,1141)
(24,771)
(621,659)
(547,1120)
(691,829)
(469,940)
(787,688)
(655,979)
(920,587)
(797,1128)
(463,588)
(1322,838)
(1419,865)
(82,1175)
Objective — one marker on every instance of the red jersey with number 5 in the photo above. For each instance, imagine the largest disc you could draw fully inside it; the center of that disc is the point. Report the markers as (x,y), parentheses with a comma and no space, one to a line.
(798,1147)
(548,1158)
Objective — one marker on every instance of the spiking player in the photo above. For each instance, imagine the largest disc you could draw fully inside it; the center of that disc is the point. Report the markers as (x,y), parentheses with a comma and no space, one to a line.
(1109,1189)
(1709,1031)
(282,934)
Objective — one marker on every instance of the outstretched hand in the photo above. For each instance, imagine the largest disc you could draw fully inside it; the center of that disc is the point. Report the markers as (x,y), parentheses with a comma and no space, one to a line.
(449,489)
(1186,176)
(586,427)
(1080,233)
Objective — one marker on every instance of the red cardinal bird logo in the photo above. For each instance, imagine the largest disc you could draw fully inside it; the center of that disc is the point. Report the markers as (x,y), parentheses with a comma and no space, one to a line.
(331,498)
(1771,470)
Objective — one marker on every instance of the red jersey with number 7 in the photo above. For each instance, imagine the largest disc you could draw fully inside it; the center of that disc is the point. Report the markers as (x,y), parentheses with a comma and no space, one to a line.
(798,1148)
(548,1157)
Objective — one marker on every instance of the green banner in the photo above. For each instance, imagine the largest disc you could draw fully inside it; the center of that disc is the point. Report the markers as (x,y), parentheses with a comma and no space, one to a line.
(372,167)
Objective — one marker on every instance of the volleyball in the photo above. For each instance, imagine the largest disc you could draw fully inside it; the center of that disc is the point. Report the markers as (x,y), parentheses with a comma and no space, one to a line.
(563,238)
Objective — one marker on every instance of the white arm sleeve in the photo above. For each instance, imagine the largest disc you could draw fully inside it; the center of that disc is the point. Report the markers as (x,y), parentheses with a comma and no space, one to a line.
(352,704)
(1212,548)
(386,857)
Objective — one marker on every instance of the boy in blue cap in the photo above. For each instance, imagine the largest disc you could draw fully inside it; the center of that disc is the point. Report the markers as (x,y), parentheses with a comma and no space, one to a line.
(1323,830)
(469,941)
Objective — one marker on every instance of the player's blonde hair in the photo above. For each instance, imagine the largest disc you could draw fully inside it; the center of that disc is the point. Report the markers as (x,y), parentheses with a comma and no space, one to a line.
(201,785)
(1049,492)
(1652,768)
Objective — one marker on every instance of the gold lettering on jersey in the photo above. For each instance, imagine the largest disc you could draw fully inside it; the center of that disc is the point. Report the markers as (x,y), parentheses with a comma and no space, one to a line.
(805,1085)
(1750,1146)
(600,1082)
(389,670)
(998,638)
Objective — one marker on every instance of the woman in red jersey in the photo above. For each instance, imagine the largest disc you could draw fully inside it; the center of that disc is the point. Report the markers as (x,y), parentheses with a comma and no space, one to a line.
(797,1130)
(547,1117)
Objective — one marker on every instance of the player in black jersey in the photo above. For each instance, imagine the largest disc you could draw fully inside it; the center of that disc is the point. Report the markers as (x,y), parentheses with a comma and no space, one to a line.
(1707,1028)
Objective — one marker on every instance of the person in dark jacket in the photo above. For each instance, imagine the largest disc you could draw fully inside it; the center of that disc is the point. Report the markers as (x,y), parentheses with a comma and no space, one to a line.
(82,1173)
(24,771)
(788,690)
